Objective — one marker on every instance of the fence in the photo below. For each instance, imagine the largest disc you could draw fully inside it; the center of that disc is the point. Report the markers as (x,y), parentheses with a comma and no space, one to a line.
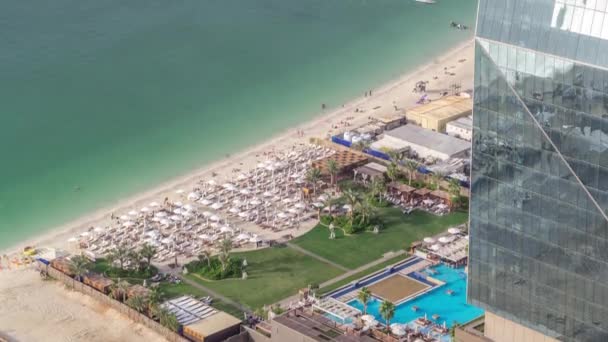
(114,304)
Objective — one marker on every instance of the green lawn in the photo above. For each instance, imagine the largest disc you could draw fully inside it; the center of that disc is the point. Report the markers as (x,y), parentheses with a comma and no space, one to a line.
(170,291)
(399,231)
(273,274)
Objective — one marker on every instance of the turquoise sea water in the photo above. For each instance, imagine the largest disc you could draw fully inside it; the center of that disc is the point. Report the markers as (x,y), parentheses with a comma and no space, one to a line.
(450,308)
(116,96)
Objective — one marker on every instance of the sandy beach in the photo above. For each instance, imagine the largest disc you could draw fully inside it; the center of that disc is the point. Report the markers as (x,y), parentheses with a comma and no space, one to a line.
(454,67)
(36,310)
(32,310)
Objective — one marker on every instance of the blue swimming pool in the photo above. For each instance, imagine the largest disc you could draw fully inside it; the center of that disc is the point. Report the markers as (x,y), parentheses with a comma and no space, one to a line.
(450,308)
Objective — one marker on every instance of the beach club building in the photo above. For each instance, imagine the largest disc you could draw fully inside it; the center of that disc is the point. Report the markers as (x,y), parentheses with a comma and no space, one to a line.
(426,143)
(436,114)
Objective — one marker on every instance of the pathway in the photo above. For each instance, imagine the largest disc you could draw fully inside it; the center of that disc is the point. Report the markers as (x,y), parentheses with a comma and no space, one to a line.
(292,299)
(318,257)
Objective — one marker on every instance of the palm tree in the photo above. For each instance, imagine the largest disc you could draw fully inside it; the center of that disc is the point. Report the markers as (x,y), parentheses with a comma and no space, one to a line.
(387,310)
(79,266)
(313,176)
(137,303)
(392,171)
(135,258)
(366,210)
(364,296)
(147,252)
(378,187)
(454,189)
(168,319)
(352,199)
(153,299)
(411,166)
(119,290)
(394,156)
(333,168)
(435,179)
(120,254)
(224,255)
(205,255)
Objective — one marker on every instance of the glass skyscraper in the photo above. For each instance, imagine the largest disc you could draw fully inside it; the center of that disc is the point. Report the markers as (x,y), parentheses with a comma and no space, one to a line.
(539,202)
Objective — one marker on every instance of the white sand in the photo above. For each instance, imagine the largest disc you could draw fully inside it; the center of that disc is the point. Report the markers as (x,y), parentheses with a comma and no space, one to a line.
(35,310)
(397,92)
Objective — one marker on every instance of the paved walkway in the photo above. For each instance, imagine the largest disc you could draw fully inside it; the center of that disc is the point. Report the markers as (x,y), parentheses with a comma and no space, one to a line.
(318,257)
(292,299)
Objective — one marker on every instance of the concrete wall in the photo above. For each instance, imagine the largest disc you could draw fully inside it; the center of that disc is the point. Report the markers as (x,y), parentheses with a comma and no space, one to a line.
(116,305)
(460,132)
(503,330)
(256,336)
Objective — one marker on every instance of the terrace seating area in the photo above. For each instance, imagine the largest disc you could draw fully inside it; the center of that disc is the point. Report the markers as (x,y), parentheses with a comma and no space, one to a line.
(450,248)
(336,308)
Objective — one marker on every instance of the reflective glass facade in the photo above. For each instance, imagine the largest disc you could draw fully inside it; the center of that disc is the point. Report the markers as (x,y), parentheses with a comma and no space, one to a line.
(539,203)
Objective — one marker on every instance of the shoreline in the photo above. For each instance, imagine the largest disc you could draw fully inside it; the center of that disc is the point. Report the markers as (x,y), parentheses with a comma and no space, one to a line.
(314,127)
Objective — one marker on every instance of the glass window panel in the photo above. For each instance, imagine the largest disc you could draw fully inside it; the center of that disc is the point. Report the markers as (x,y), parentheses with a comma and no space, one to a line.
(577,19)
(596,28)
(568,13)
(604,29)
(530,61)
(587,22)
(601,5)
(590,4)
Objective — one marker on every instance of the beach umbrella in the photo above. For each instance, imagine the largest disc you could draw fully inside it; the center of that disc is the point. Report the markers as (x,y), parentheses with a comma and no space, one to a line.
(132,213)
(212,182)
(245,191)
(72,239)
(398,329)
(282,215)
(98,230)
(165,222)
(243,214)
(234,210)
(188,207)
(435,247)
(216,205)
(300,205)
(153,204)
(322,198)
(166,241)
(161,214)
(454,231)
(128,224)
(179,192)
(347,207)
(178,204)
(287,200)
(214,218)
(293,210)
(241,177)
(255,202)
(445,239)
(242,236)
(85,234)
(318,204)
(193,196)
(204,237)
(226,229)
(177,211)
(267,194)
(175,218)
(237,202)
(207,213)
(144,209)
(124,217)
(205,202)
(228,186)
(429,240)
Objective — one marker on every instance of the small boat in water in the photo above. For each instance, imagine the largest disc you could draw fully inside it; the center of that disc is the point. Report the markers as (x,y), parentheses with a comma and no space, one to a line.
(427,1)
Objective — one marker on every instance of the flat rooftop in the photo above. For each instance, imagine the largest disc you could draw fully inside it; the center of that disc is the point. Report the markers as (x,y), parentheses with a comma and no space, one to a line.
(443,108)
(317,327)
(426,138)
(465,123)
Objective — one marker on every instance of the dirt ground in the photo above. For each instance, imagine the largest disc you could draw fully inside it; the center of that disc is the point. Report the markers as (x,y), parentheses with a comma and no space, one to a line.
(35,310)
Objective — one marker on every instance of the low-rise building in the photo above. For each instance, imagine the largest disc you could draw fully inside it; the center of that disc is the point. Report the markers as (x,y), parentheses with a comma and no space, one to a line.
(437,113)
(461,128)
(426,143)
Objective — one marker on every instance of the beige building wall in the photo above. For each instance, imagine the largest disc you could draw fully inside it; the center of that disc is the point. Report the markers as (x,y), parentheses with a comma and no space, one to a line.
(281,333)
(500,329)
